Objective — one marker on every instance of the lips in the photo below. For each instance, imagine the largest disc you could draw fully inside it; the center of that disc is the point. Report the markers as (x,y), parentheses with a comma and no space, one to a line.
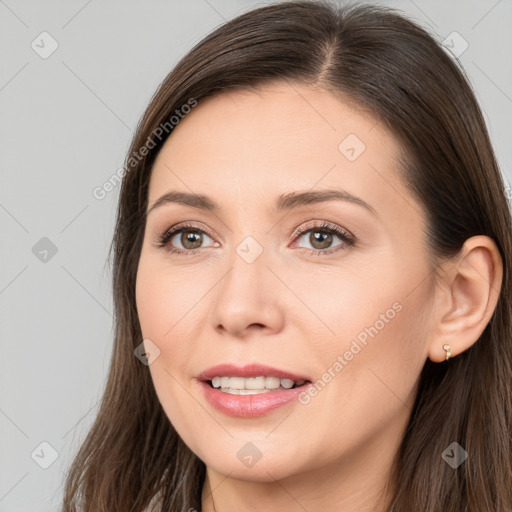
(250,403)
(250,370)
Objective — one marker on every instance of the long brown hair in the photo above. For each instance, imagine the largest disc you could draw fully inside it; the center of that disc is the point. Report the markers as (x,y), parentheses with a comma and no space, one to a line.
(378,59)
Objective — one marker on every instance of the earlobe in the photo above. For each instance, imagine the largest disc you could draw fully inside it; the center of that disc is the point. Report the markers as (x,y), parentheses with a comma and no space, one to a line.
(468,293)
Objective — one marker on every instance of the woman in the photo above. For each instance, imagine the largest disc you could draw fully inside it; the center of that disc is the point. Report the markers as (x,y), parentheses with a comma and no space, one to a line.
(311,281)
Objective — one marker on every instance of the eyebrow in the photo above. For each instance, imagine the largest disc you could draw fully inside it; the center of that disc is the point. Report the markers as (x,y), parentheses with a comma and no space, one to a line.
(283,202)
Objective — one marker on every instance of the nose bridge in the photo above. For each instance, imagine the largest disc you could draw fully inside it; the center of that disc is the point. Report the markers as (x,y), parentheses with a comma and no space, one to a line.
(246,295)
(248,271)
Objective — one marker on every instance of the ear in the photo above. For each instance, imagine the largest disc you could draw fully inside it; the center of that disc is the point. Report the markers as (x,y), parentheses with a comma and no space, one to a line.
(466,296)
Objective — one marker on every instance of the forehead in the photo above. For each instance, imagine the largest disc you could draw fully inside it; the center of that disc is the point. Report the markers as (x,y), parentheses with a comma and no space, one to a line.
(244,146)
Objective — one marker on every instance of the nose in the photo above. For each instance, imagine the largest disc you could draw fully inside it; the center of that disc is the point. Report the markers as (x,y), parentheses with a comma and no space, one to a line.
(248,298)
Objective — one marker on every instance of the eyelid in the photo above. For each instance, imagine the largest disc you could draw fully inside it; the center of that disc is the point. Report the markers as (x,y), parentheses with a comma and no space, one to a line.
(323,225)
(347,238)
(175,228)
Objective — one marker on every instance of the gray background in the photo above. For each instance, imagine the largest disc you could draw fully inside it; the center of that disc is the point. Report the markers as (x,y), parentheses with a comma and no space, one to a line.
(66,122)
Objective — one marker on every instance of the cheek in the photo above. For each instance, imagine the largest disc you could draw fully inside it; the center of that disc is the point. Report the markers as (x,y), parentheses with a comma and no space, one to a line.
(371,339)
(165,305)
(168,306)
(166,299)
(380,301)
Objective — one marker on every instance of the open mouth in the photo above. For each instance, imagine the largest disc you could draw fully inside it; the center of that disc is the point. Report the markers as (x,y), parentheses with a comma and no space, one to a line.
(267,388)
(253,385)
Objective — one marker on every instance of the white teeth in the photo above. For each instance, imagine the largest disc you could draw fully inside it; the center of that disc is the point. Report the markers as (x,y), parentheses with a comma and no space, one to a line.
(245,391)
(236,383)
(272,382)
(252,385)
(286,383)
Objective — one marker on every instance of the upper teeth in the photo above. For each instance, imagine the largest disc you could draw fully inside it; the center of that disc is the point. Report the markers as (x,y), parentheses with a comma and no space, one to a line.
(254,382)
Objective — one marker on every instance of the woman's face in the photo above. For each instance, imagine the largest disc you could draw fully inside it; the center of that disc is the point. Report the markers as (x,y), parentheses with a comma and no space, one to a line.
(347,313)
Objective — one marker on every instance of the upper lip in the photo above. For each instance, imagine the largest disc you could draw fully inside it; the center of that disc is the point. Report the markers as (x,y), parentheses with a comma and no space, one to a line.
(249,370)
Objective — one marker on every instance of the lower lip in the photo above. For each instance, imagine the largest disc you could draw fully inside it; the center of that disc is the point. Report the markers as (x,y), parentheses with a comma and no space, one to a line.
(246,406)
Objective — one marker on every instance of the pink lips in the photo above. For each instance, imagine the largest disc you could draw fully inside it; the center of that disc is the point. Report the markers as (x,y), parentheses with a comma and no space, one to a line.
(249,405)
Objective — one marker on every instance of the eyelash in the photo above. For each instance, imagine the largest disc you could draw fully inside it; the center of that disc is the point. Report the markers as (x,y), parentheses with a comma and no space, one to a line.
(348,240)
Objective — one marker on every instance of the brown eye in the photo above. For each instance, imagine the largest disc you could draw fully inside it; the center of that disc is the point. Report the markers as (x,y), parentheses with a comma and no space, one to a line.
(320,239)
(191,239)
(183,239)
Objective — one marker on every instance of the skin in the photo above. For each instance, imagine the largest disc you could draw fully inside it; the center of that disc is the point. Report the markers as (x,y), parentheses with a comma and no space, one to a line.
(293,308)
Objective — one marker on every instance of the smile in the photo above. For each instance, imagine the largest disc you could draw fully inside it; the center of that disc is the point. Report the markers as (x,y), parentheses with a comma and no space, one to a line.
(252,385)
